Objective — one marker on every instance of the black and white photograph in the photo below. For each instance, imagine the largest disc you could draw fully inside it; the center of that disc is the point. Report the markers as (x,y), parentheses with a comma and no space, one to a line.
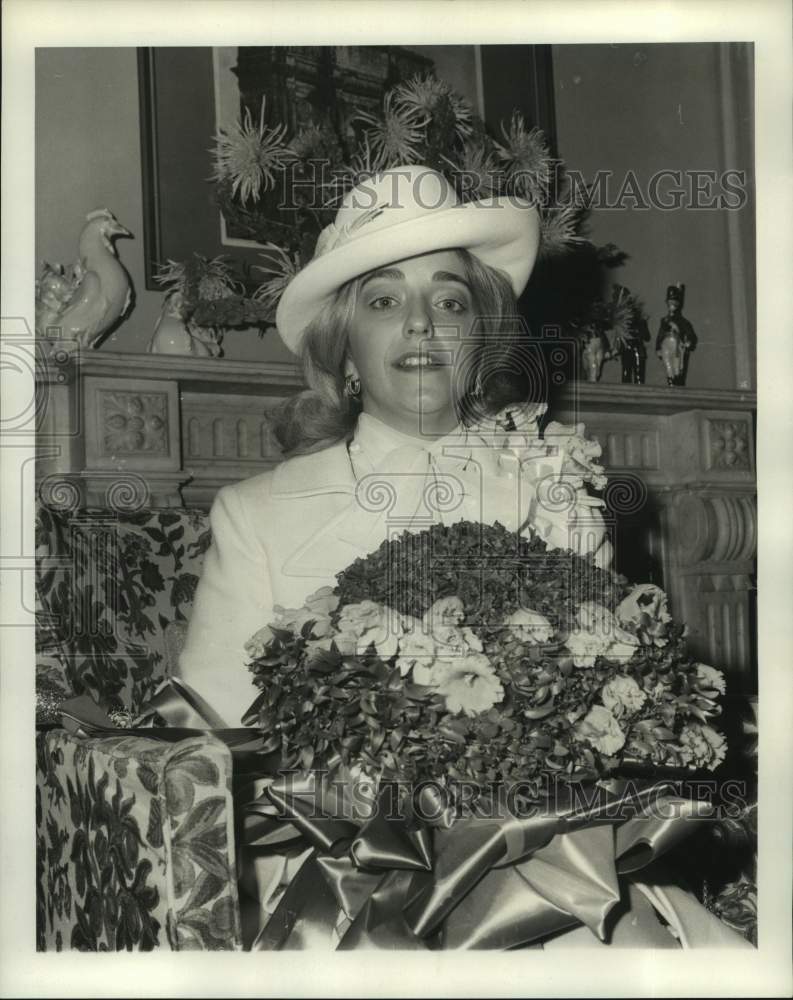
(395,546)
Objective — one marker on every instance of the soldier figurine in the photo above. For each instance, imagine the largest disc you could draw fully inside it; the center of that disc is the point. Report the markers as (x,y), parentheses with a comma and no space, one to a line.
(633,357)
(676,338)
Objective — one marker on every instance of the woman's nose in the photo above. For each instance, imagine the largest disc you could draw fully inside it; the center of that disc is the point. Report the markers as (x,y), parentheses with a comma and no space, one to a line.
(419,321)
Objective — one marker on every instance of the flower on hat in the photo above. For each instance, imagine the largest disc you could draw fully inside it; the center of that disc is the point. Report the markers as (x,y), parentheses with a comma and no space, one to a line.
(601,729)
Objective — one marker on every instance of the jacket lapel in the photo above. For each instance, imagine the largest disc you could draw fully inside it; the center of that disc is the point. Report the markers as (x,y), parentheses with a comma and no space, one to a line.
(324,473)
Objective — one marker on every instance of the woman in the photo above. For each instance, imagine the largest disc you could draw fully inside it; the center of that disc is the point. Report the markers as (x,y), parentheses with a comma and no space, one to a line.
(406,323)
(403,374)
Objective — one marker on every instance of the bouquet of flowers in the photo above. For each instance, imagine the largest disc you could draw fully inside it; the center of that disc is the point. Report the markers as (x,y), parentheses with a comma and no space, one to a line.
(469,653)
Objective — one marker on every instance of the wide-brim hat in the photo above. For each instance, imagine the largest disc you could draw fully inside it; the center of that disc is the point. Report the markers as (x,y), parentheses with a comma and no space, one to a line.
(401,213)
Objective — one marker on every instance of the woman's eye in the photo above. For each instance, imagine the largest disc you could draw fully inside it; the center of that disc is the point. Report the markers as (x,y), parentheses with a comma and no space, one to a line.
(452,305)
(383,302)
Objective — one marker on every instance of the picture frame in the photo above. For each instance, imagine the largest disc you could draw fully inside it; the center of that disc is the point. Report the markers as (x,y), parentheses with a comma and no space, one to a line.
(178,100)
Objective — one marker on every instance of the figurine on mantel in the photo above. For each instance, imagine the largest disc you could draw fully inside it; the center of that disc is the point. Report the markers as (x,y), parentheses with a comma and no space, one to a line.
(175,335)
(595,349)
(83,302)
(189,283)
(676,338)
(631,333)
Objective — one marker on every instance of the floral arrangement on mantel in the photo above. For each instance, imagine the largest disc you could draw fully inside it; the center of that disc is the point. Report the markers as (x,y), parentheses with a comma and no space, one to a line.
(422,121)
(615,320)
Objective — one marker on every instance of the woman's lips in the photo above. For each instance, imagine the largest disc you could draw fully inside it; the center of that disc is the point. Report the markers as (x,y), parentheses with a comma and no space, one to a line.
(413,362)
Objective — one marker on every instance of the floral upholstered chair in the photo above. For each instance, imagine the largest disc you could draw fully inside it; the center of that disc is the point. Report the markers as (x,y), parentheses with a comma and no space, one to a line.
(135,838)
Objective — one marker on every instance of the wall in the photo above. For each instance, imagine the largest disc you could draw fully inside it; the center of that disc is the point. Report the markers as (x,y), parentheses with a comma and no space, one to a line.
(88,156)
(618,107)
(650,107)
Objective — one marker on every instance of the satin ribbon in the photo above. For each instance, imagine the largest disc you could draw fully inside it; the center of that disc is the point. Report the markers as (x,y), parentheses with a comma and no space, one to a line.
(399,876)
(177,704)
(485,883)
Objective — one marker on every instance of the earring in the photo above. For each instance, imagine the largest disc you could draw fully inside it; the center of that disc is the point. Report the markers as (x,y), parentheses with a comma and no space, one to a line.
(352,386)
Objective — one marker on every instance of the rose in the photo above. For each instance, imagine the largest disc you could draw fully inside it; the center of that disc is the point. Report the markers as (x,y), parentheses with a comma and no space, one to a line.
(529,626)
(469,684)
(701,746)
(710,678)
(645,611)
(621,695)
(366,623)
(323,601)
(601,729)
(317,609)
(256,646)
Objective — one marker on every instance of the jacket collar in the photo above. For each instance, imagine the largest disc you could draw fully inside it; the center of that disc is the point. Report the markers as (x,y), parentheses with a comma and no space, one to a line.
(325,471)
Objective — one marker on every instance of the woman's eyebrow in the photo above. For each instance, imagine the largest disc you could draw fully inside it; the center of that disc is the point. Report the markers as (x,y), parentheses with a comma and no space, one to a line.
(392,273)
(450,276)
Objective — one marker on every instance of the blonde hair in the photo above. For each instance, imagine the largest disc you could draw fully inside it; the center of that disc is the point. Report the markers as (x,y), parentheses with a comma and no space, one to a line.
(489,377)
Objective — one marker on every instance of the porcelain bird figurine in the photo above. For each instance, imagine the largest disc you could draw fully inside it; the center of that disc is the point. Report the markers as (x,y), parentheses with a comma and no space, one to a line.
(101,292)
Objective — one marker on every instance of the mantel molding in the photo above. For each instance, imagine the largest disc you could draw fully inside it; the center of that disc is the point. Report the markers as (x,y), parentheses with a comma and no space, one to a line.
(208,375)
(249,377)
(600,396)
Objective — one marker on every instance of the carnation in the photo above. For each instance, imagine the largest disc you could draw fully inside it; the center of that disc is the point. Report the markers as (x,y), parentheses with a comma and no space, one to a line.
(711,678)
(529,626)
(645,612)
(622,695)
(701,746)
(601,729)
(598,634)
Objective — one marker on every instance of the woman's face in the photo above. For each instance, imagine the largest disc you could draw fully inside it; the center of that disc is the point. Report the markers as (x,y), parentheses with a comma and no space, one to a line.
(410,322)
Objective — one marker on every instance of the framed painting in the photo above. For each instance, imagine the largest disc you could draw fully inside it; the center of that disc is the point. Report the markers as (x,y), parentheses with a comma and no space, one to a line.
(187,94)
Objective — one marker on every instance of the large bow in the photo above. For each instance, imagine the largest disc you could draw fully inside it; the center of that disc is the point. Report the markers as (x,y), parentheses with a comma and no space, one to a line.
(395,880)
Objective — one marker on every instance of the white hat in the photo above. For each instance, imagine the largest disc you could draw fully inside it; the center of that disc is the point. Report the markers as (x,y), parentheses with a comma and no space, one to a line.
(401,213)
